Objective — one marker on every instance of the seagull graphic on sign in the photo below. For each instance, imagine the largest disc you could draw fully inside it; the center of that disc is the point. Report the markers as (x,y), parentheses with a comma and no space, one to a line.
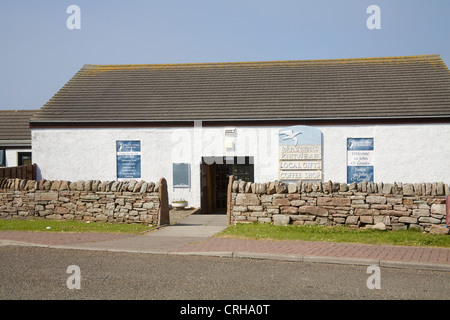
(289,134)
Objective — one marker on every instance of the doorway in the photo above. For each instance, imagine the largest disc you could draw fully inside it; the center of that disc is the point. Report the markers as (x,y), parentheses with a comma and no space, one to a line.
(215,172)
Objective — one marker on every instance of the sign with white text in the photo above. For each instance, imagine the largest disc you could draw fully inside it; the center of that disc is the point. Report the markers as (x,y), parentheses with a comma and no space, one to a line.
(300,153)
(360,159)
(128,158)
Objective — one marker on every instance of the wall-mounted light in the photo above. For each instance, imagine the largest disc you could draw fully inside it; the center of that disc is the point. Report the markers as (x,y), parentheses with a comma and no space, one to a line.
(229,144)
(230,132)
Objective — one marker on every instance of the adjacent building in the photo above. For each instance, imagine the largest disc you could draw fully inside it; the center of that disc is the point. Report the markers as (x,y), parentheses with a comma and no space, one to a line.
(15,137)
(345,120)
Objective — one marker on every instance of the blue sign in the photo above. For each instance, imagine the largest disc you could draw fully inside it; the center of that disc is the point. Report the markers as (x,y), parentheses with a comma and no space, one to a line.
(359,174)
(360,144)
(299,135)
(360,160)
(128,146)
(128,158)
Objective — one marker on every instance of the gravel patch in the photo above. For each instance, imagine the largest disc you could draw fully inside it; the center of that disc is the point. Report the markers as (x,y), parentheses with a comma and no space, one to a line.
(176,215)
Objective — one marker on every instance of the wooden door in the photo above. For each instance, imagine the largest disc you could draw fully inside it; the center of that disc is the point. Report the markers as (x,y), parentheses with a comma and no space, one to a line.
(204,199)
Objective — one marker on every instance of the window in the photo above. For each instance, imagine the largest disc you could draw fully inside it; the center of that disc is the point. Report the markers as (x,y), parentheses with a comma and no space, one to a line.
(181,175)
(242,168)
(2,158)
(23,158)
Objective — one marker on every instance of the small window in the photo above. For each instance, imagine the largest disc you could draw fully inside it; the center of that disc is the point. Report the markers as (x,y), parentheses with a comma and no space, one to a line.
(2,158)
(181,175)
(23,158)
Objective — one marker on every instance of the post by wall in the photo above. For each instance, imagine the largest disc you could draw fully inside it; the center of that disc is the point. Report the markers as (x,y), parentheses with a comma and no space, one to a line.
(393,206)
(92,200)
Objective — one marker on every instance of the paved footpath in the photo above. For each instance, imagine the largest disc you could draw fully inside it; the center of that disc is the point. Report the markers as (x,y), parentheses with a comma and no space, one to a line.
(195,236)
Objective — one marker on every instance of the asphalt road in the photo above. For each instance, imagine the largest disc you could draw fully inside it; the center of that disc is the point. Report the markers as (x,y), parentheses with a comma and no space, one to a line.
(41,273)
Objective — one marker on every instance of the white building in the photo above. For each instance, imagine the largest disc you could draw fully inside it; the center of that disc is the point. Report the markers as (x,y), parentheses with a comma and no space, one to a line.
(378,119)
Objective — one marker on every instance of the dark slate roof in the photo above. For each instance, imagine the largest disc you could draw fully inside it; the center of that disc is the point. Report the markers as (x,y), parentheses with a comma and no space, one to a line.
(15,126)
(360,88)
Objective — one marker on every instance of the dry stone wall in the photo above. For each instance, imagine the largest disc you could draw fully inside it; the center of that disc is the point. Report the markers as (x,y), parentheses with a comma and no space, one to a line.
(92,200)
(396,206)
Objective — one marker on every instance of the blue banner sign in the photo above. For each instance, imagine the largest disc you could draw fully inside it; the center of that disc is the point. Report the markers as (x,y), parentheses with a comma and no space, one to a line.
(128,158)
(128,146)
(360,160)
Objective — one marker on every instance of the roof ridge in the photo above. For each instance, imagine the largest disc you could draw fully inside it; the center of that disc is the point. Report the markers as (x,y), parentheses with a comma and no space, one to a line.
(20,110)
(230,63)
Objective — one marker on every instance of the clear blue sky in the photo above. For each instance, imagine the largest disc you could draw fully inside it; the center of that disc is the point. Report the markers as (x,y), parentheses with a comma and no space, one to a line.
(39,54)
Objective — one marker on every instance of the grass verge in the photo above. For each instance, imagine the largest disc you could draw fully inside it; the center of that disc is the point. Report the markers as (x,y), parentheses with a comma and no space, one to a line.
(335,234)
(71,226)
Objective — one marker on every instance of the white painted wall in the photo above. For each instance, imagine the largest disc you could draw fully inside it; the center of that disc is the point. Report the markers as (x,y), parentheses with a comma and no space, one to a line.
(12,157)
(403,153)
